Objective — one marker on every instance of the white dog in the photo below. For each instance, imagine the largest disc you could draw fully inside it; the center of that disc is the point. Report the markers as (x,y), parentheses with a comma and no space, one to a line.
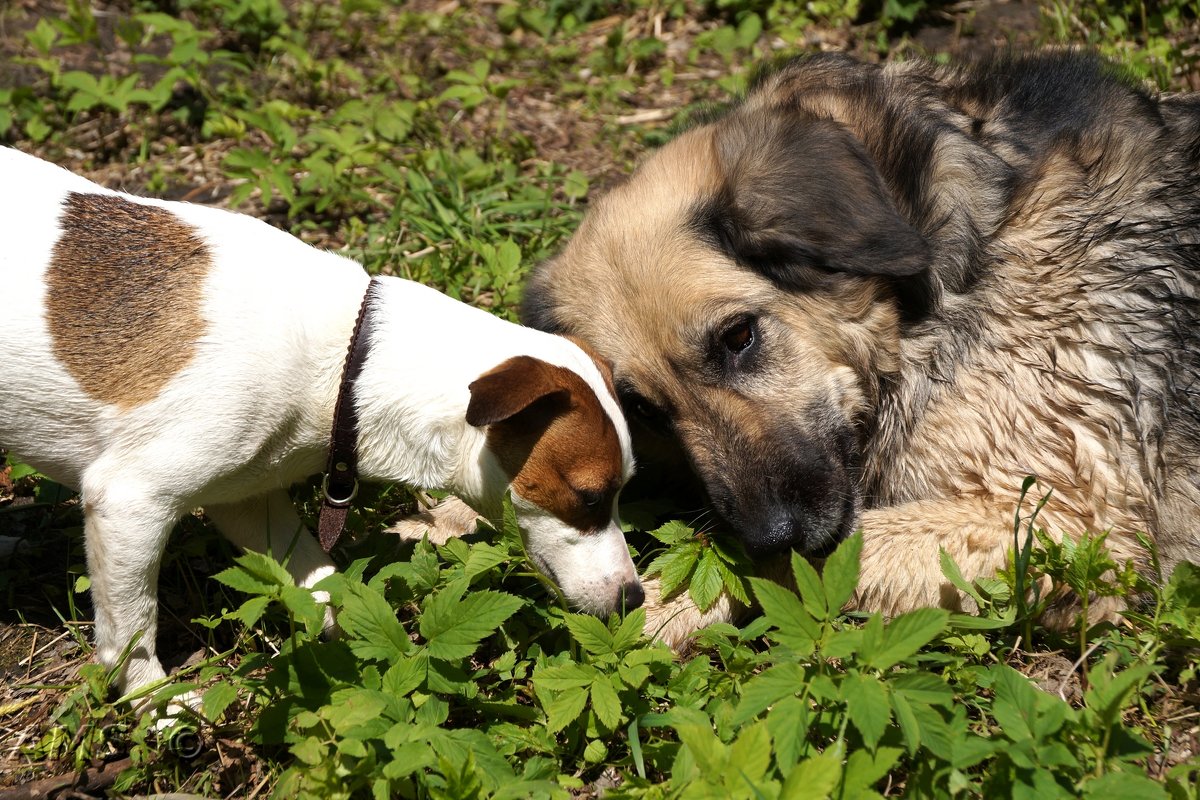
(165,356)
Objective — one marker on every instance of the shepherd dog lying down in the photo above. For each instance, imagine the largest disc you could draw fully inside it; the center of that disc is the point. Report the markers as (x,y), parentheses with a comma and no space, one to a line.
(878,297)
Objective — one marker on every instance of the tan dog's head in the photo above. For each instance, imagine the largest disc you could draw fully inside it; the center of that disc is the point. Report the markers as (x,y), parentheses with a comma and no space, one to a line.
(743,283)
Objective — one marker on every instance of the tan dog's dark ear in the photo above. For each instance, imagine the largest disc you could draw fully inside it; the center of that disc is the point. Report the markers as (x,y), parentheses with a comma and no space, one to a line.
(803,192)
(512,387)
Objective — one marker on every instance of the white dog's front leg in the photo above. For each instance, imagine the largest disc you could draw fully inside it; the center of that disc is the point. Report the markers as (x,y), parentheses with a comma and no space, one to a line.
(268,523)
(126,528)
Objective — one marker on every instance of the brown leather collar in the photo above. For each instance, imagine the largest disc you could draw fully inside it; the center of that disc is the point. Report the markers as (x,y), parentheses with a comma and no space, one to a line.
(340,484)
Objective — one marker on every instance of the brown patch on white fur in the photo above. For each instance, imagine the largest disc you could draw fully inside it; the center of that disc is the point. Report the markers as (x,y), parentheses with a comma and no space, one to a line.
(552,438)
(123,294)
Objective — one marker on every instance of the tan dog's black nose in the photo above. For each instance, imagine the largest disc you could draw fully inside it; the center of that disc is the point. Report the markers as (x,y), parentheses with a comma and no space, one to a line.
(632,596)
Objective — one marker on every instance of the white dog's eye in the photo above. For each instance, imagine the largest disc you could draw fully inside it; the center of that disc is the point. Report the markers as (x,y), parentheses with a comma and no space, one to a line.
(590,497)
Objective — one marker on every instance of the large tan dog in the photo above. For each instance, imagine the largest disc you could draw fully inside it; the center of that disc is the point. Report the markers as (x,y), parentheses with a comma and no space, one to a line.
(880,297)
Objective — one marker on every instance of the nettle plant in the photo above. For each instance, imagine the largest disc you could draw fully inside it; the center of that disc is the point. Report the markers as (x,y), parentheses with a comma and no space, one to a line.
(460,674)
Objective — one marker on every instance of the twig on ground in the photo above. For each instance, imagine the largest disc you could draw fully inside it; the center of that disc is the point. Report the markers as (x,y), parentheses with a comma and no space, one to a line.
(88,781)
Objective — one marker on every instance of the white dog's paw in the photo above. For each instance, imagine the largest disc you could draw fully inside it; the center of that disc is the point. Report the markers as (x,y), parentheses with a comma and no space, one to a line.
(182,710)
(332,629)
(676,621)
(447,520)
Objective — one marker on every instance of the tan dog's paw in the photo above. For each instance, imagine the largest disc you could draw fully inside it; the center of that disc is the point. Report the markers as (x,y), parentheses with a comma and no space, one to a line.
(1063,614)
(447,520)
(676,621)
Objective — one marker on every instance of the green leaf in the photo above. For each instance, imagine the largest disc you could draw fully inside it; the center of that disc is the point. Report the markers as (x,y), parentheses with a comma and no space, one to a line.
(794,626)
(863,768)
(564,676)
(239,579)
(1015,704)
(353,708)
(867,705)
(905,635)
(906,720)
(966,622)
(264,568)
(251,611)
(301,604)
(37,129)
(482,558)
(406,675)
(815,778)
(922,687)
(707,750)
(953,574)
(750,753)
(407,758)
(454,628)
(1183,589)
(808,585)
(565,709)
(605,702)
(734,583)
(255,574)
(630,631)
(456,551)
(1107,692)
(426,570)
(309,751)
(42,37)
(673,533)
(1123,786)
(595,752)
(706,583)
(767,688)
(871,634)
(788,723)
(217,698)
(19,469)
(370,624)
(936,734)
(749,29)
(676,567)
(575,185)
(591,633)
(840,573)
(79,81)
(510,530)
(448,678)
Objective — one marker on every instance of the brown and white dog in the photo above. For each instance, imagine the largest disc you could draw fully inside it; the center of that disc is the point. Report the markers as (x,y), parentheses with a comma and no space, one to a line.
(168,356)
(878,297)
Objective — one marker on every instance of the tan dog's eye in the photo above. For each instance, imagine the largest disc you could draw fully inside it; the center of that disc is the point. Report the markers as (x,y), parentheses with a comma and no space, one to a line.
(739,337)
(637,406)
(642,410)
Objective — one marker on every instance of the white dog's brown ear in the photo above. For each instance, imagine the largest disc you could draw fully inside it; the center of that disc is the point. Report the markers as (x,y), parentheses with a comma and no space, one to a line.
(803,192)
(512,387)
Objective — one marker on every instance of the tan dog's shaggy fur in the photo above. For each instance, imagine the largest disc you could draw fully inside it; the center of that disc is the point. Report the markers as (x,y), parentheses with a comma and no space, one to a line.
(880,297)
